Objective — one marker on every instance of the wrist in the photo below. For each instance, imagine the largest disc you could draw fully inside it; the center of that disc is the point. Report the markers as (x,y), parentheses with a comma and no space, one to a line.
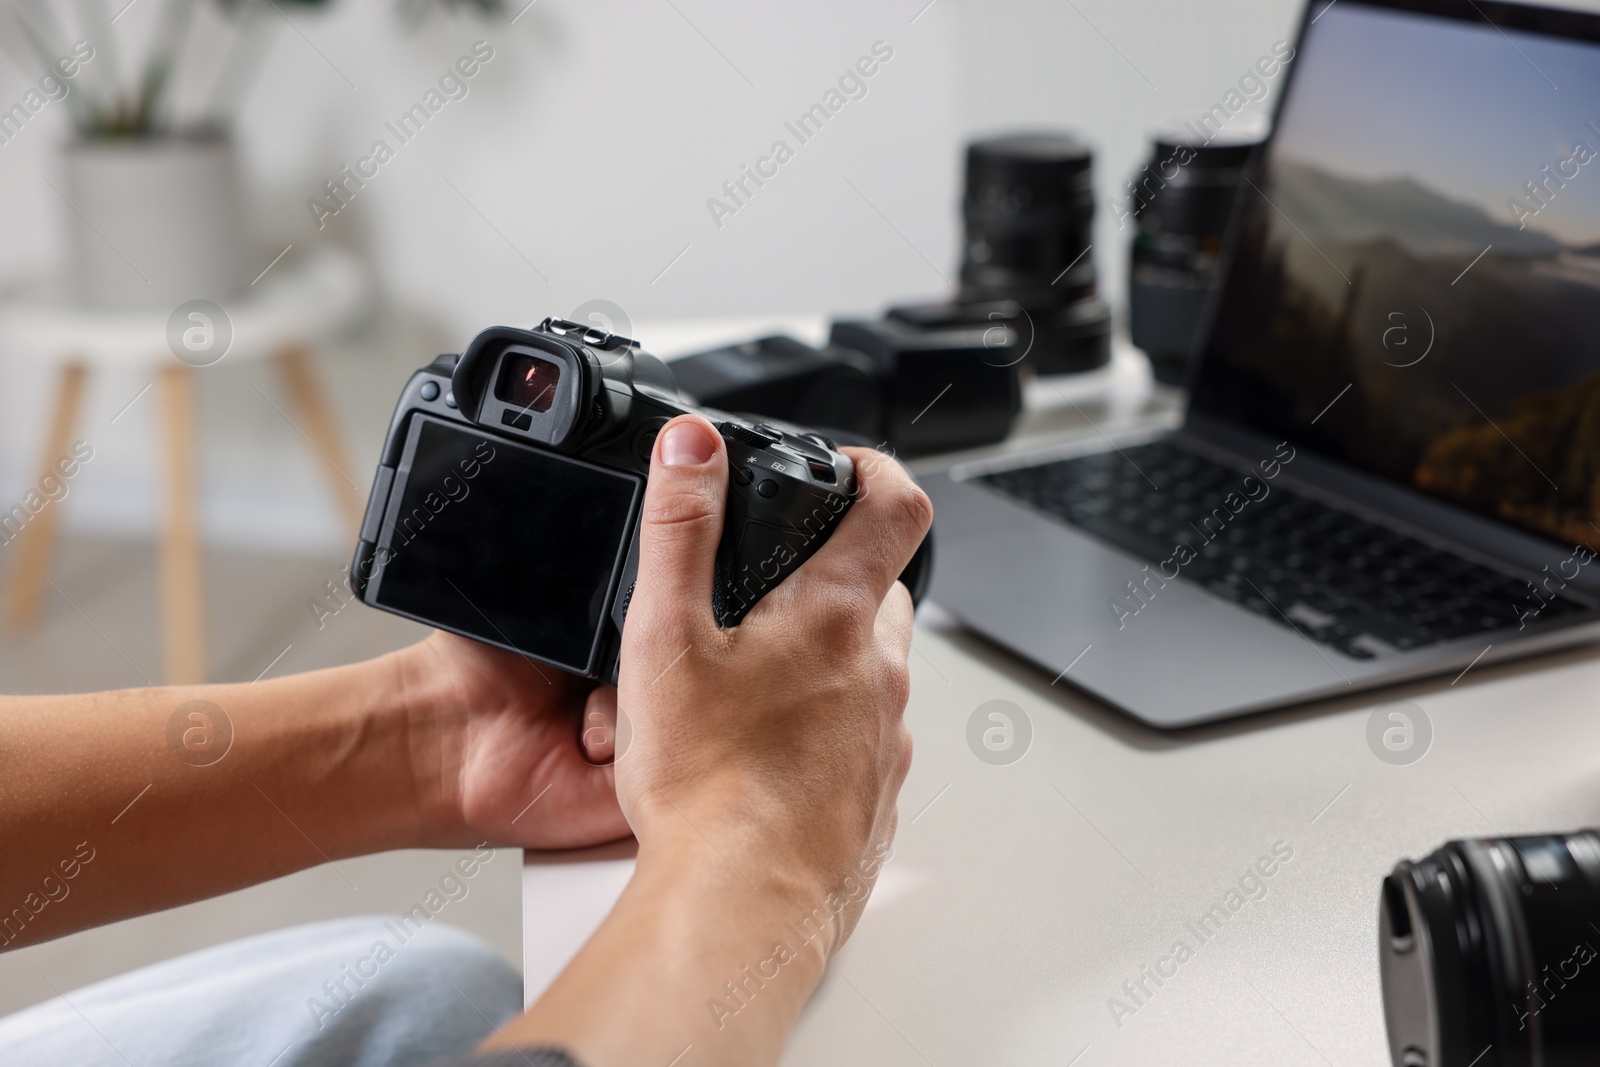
(692,954)
(755,909)
(350,756)
(809,870)
(424,708)
(728,868)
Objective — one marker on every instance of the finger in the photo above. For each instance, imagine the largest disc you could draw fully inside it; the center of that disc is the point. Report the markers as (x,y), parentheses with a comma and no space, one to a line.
(684,503)
(893,625)
(599,737)
(878,535)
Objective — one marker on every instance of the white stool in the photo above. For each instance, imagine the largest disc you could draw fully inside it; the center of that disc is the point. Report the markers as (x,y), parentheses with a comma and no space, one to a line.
(281,317)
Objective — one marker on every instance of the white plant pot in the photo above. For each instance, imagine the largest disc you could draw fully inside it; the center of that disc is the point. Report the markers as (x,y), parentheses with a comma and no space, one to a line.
(154,222)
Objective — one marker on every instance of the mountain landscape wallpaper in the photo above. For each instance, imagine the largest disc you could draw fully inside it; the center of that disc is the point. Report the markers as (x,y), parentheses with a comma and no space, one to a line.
(1387,256)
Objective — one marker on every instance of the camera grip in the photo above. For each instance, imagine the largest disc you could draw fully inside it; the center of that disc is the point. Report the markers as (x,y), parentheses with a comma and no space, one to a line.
(764,539)
(767,532)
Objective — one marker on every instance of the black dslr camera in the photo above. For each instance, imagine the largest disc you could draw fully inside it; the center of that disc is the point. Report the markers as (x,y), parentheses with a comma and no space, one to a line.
(506,503)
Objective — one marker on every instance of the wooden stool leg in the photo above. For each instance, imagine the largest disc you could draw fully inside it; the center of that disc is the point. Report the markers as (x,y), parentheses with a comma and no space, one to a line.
(322,431)
(30,562)
(182,595)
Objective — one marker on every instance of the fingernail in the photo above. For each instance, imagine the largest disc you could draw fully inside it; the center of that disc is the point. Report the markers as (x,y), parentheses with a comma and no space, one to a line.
(686,445)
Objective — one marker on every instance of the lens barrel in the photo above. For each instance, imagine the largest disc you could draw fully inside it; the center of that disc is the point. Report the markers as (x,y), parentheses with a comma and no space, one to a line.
(1028,210)
(1182,201)
(1489,953)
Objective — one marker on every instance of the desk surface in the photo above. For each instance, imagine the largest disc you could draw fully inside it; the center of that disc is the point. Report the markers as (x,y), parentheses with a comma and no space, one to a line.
(1022,897)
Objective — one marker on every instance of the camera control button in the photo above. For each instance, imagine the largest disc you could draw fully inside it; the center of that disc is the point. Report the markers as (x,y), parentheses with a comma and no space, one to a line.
(808,449)
(789,464)
(744,475)
(430,390)
(750,437)
(767,487)
(822,472)
(450,399)
(644,444)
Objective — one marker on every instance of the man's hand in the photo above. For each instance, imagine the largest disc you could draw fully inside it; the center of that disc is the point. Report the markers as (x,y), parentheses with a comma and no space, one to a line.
(760,775)
(519,761)
(779,740)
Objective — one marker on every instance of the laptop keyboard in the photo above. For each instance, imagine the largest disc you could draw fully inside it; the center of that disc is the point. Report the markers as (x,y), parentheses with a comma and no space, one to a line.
(1328,573)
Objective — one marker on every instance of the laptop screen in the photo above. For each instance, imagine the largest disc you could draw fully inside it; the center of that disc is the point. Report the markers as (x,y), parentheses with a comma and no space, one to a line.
(1416,290)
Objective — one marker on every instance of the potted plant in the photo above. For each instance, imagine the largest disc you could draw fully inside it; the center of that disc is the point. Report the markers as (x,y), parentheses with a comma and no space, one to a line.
(154,204)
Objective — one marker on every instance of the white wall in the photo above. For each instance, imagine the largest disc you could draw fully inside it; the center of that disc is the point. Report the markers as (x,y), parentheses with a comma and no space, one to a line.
(591,143)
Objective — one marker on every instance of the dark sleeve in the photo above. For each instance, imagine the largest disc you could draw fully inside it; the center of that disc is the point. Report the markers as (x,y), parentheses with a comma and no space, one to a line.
(527,1057)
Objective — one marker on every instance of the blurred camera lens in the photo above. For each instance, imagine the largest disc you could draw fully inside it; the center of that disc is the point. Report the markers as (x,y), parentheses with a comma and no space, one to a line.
(1029,215)
(1182,200)
(1488,953)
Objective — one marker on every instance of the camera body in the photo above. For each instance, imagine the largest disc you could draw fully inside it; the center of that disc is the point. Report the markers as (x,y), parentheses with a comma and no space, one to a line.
(924,379)
(950,377)
(831,388)
(506,504)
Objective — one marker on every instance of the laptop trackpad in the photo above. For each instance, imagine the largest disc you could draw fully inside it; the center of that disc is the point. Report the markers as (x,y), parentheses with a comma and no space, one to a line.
(1163,649)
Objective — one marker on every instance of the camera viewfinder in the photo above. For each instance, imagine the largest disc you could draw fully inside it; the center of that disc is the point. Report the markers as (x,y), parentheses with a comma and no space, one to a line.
(528,382)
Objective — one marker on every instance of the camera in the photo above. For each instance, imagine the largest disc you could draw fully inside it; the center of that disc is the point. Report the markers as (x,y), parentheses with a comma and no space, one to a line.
(506,504)
(949,373)
(929,378)
(1488,953)
(830,388)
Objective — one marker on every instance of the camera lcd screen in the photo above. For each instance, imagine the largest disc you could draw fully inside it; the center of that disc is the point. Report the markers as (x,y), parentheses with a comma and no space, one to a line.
(528,382)
(510,544)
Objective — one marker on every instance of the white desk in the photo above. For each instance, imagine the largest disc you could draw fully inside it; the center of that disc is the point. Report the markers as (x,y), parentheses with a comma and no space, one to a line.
(1021,898)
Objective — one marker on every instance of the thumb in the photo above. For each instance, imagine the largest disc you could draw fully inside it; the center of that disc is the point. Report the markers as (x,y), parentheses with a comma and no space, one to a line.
(684,503)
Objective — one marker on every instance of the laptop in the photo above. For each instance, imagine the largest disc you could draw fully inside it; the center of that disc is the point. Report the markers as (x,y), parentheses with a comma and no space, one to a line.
(1389,467)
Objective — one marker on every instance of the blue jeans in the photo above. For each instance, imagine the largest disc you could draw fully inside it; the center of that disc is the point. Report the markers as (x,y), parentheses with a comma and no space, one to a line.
(311,996)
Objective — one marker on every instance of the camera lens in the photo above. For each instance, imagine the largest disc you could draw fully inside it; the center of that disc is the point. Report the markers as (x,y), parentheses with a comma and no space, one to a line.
(528,382)
(1182,200)
(1488,953)
(1029,216)
(1028,209)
